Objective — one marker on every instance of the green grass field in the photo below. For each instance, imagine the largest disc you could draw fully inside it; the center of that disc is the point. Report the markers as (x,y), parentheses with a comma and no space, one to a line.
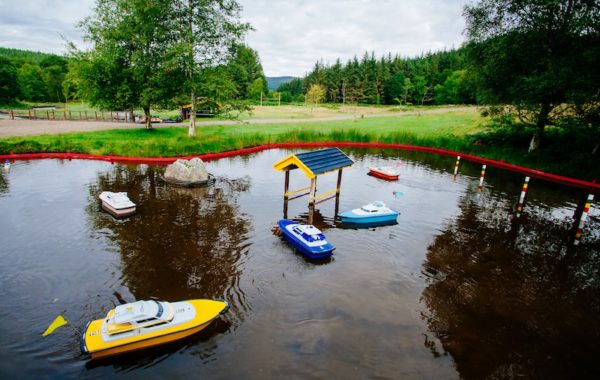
(174,141)
(461,130)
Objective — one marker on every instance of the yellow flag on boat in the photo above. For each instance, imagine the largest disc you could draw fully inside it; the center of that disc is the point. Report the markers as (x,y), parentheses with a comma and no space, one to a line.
(58,322)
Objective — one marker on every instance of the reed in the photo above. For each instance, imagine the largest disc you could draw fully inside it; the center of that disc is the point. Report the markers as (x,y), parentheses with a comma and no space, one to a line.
(462,132)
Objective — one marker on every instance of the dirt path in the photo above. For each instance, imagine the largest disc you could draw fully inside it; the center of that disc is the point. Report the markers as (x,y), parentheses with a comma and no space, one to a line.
(10,128)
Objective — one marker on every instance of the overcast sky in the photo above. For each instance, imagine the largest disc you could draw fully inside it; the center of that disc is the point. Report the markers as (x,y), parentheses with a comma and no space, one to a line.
(290,35)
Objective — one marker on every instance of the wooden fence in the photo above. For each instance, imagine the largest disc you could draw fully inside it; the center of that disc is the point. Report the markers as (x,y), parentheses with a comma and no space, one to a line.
(51,114)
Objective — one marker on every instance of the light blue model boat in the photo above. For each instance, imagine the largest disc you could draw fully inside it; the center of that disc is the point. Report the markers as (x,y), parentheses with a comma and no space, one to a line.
(373,214)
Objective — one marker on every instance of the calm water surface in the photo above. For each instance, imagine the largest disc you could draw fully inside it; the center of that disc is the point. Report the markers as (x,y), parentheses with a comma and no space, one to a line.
(459,288)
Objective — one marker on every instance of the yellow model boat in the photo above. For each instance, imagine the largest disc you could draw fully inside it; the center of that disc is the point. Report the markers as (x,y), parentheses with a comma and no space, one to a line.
(143,324)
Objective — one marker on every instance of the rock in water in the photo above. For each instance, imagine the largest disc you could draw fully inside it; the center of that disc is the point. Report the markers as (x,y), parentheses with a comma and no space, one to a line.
(187,173)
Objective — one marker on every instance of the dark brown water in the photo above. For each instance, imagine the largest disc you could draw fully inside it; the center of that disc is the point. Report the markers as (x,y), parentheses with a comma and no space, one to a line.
(459,288)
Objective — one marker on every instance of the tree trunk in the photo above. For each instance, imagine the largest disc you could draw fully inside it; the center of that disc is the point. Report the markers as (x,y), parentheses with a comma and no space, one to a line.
(538,135)
(148,117)
(192,129)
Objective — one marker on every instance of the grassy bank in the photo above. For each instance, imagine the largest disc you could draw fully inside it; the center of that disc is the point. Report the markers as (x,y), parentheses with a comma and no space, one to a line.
(459,130)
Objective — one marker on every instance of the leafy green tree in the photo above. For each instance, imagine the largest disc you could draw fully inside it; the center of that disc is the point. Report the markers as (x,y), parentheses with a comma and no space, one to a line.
(454,90)
(134,62)
(244,68)
(53,77)
(257,88)
(315,94)
(286,97)
(420,89)
(205,31)
(536,56)
(54,60)
(70,85)
(216,83)
(9,84)
(31,82)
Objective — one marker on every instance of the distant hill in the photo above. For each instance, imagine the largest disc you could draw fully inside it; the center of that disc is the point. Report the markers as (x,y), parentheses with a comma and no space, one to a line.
(274,82)
(26,55)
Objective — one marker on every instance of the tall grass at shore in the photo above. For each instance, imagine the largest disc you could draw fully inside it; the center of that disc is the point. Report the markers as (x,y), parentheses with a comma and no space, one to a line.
(458,131)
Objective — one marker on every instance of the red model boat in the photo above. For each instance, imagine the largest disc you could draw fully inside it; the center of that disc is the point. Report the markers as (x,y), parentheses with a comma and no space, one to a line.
(384,172)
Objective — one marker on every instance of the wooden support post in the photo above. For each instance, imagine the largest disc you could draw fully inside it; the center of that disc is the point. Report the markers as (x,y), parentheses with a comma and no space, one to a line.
(34,115)
(70,115)
(287,185)
(48,114)
(96,115)
(80,116)
(12,115)
(311,213)
(313,191)
(53,115)
(65,114)
(339,182)
(86,116)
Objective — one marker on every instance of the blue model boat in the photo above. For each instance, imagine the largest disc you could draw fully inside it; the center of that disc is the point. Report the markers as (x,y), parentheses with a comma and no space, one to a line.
(376,213)
(306,238)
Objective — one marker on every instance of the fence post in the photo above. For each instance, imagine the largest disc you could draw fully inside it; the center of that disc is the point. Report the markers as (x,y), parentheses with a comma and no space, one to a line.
(80,116)
(111,116)
(96,115)
(522,197)
(12,115)
(583,218)
(456,168)
(86,116)
(48,114)
(53,115)
(481,178)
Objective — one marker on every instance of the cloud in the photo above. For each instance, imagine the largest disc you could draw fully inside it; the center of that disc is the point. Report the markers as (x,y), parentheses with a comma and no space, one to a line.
(290,35)
(39,25)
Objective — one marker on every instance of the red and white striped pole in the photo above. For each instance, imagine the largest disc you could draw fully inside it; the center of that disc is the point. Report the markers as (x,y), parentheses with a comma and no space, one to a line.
(456,168)
(583,218)
(522,197)
(482,177)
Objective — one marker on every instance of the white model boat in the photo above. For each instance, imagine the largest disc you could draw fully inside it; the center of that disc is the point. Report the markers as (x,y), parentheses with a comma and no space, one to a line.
(117,204)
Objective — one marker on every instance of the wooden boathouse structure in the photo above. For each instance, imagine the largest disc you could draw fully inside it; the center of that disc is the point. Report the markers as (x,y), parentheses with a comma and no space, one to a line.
(314,164)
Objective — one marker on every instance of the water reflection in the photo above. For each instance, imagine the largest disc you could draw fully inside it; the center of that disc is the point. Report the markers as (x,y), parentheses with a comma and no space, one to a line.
(183,243)
(3,181)
(511,297)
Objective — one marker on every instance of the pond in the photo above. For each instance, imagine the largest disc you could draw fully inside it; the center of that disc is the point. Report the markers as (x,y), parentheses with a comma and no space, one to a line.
(460,288)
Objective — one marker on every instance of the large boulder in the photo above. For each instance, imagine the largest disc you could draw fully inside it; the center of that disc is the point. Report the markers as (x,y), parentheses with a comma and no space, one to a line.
(187,173)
